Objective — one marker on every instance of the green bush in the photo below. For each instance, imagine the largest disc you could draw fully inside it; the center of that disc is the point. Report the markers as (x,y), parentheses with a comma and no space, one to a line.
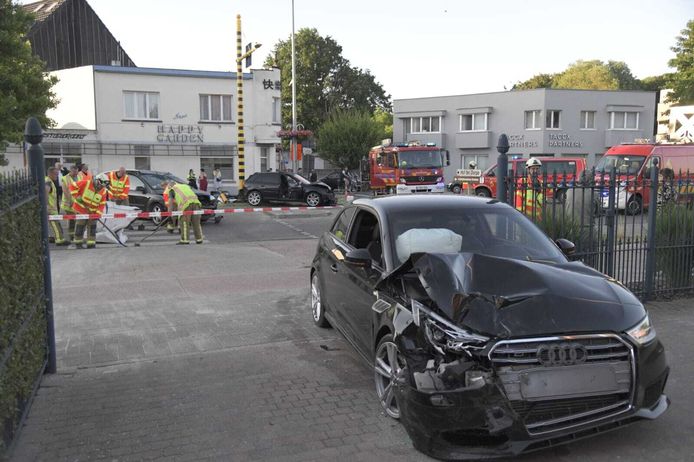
(674,255)
(560,225)
(22,306)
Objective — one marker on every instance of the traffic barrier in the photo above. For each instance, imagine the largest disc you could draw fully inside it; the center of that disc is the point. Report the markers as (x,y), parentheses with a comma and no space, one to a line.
(95,216)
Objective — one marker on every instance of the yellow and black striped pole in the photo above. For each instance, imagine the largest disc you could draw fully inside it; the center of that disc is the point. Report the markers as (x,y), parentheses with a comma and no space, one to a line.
(239,105)
(241,141)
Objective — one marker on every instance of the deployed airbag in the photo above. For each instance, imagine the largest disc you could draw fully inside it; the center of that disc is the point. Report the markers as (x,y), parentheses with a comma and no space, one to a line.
(423,240)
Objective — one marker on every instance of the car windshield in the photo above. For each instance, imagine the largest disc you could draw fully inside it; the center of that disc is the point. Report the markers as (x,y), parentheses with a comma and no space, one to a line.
(299,178)
(420,159)
(493,231)
(623,164)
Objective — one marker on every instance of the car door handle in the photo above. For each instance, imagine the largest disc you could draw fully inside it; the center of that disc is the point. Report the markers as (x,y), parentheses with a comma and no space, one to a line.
(333,267)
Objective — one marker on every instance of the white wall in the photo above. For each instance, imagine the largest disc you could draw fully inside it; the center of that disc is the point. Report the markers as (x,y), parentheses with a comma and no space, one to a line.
(75,91)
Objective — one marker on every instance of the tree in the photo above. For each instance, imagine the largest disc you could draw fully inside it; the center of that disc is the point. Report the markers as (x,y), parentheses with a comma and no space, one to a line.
(384,119)
(655,82)
(346,137)
(682,81)
(621,72)
(25,89)
(536,81)
(587,75)
(325,80)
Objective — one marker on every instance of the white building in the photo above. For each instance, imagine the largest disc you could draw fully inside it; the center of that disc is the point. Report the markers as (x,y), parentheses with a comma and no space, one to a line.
(161,119)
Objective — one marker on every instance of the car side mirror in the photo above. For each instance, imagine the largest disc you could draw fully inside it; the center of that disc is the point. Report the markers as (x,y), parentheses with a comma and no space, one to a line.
(359,258)
(567,247)
(140,189)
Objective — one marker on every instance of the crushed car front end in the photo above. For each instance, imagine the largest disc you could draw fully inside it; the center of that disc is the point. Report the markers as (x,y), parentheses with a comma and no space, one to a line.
(488,378)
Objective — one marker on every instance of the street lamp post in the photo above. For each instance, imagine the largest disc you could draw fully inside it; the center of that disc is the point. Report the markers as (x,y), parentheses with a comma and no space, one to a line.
(293,146)
(240,134)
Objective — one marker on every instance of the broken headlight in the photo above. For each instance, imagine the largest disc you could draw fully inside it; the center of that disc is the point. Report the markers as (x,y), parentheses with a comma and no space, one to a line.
(443,335)
(642,332)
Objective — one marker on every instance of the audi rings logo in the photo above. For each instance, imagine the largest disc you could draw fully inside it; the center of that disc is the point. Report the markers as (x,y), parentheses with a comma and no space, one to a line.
(561,354)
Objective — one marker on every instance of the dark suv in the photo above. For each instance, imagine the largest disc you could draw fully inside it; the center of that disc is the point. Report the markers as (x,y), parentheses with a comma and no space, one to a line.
(146,192)
(286,187)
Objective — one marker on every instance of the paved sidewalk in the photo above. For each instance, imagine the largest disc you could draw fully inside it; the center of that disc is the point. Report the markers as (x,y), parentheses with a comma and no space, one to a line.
(184,354)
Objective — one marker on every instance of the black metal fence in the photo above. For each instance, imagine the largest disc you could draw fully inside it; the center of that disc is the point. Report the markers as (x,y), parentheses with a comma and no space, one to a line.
(23,345)
(634,225)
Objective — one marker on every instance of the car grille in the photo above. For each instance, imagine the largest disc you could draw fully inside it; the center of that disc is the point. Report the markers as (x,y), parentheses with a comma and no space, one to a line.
(420,179)
(513,358)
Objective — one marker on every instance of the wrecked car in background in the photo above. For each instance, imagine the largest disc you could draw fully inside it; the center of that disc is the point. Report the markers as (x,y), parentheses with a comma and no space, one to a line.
(485,340)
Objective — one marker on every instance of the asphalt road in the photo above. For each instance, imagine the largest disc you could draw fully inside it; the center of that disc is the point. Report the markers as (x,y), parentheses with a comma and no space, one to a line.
(209,352)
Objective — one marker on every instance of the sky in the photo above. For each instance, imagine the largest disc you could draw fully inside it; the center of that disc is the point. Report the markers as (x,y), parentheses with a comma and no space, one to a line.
(413,48)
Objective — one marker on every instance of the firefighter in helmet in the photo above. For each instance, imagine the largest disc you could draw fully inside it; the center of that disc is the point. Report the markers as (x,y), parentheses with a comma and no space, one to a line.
(529,197)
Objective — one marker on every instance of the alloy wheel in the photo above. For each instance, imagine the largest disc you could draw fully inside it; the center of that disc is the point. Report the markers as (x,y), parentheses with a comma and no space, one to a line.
(388,368)
(313,199)
(157,208)
(315,298)
(254,198)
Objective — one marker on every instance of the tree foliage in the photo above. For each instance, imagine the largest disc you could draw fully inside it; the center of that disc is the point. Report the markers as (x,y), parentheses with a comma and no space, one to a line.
(587,75)
(384,119)
(325,80)
(682,81)
(346,137)
(25,89)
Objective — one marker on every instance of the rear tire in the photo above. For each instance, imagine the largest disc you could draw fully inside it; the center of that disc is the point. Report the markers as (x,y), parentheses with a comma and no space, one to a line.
(456,189)
(483,192)
(634,206)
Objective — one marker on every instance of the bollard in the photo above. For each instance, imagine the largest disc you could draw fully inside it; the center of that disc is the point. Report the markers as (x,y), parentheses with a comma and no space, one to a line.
(33,135)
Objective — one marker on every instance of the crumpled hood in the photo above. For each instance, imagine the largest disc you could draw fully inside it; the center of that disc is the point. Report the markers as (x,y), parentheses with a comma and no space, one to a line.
(504,297)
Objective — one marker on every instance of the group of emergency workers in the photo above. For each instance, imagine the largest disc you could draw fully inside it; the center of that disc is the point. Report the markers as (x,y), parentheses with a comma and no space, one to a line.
(84,194)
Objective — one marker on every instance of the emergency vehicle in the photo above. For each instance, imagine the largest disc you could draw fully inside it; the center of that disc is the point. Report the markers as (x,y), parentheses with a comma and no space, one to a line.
(407,168)
(559,169)
(632,164)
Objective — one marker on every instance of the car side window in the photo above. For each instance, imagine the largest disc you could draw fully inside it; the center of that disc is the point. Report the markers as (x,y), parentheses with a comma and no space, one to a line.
(135,182)
(341,225)
(366,234)
(271,179)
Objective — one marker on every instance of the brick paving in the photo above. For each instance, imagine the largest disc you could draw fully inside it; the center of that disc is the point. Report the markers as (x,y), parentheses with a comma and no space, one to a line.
(211,365)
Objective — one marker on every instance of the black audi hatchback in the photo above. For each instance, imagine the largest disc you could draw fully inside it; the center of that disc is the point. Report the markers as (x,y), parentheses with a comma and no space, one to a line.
(286,187)
(485,340)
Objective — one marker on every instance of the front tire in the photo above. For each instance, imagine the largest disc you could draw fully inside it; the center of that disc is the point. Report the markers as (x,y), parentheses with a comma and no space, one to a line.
(456,189)
(483,192)
(313,199)
(254,198)
(317,307)
(157,207)
(389,369)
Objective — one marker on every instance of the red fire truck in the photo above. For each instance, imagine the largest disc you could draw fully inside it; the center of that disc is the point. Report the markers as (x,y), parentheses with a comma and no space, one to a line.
(407,168)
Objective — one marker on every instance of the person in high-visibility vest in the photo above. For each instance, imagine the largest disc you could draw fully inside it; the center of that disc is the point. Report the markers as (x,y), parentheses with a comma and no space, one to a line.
(52,196)
(529,197)
(67,202)
(89,198)
(119,186)
(184,199)
(172,224)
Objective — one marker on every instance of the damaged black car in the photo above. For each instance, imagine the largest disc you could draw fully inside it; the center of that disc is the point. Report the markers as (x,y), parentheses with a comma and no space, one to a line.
(485,340)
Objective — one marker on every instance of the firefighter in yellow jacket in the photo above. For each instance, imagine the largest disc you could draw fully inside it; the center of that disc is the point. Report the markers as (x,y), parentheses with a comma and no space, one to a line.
(66,204)
(529,197)
(52,201)
(183,198)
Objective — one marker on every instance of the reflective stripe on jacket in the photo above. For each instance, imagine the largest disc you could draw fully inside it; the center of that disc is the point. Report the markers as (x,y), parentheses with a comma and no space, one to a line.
(531,204)
(52,197)
(87,200)
(119,187)
(184,196)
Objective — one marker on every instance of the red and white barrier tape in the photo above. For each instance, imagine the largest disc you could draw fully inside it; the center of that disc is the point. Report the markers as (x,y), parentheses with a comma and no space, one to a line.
(136,214)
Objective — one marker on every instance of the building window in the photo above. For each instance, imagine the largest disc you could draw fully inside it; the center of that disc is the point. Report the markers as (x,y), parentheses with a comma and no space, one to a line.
(276,111)
(142,163)
(425,125)
(263,157)
(552,119)
(587,120)
(532,120)
(141,105)
(473,122)
(215,108)
(221,157)
(142,150)
(624,120)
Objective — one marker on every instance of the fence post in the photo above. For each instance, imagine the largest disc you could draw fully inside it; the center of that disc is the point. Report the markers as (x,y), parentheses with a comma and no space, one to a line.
(649,281)
(502,168)
(33,135)
(610,216)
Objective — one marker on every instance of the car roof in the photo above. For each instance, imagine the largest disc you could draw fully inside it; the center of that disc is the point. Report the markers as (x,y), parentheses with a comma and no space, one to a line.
(422,203)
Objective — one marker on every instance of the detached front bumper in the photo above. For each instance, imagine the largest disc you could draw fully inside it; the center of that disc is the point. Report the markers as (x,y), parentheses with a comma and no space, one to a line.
(420,188)
(481,422)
